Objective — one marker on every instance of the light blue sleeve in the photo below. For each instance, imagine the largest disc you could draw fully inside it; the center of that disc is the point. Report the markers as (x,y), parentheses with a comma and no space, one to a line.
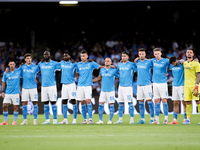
(4,77)
(77,70)
(38,68)
(170,67)
(95,65)
(100,73)
(134,67)
(116,73)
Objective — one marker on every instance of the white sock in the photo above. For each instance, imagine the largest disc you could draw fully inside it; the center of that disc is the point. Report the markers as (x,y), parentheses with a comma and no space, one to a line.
(166,117)
(157,118)
(25,120)
(152,118)
(143,119)
(48,120)
(175,119)
(120,118)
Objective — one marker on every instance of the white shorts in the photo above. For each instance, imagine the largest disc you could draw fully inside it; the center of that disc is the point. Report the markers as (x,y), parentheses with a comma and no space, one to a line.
(83,93)
(69,91)
(125,94)
(29,93)
(12,99)
(108,97)
(160,90)
(144,92)
(177,93)
(49,93)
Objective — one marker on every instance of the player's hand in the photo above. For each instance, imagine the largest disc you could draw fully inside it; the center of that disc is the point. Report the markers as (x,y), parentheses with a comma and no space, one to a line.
(113,66)
(73,61)
(195,91)
(166,74)
(3,95)
(182,61)
(90,60)
(7,70)
(121,61)
(196,59)
(136,59)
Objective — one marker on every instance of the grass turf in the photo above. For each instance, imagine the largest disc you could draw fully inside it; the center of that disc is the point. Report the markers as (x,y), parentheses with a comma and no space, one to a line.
(123,136)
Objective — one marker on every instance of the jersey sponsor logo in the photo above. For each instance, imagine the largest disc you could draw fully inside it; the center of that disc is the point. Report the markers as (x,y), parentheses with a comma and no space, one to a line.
(158,65)
(189,68)
(106,75)
(47,67)
(14,77)
(123,68)
(66,66)
(84,68)
(176,68)
(28,70)
(142,67)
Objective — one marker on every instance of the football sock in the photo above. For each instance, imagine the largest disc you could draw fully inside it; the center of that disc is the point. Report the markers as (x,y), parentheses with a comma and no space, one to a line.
(84,113)
(46,111)
(165,109)
(185,115)
(131,109)
(15,115)
(112,110)
(65,109)
(89,107)
(157,109)
(35,111)
(198,105)
(188,111)
(24,111)
(75,111)
(100,110)
(54,109)
(141,107)
(5,115)
(175,115)
(121,109)
(151,108)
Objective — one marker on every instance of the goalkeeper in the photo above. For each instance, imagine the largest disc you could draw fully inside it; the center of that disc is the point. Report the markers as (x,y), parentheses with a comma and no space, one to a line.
(191,83)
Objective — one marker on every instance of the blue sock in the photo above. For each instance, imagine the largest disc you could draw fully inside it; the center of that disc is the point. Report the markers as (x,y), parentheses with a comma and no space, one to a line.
(157,109)
(84,113)
(35,111)
(185,115)
(15,115)
(131,109)
(89,107)
(75,111)
(100,110)
(141,107)
(24,111)
(112,111)
(175,115)
(151,108)
(5,115)
(46,111)
(65,109)
(54,109)
(165,109)
(121,109)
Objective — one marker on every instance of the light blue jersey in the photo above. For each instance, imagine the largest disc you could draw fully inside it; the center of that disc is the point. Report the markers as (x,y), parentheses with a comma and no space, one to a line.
(48,72)
(108,78)
(126,71)
(68,69)
(85,72)
(144,72)
(178,74)
(12,80)
(159,70)
(29,75)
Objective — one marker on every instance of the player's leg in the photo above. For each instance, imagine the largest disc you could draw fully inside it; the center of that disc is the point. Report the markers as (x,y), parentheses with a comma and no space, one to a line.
(80,96)
(184,110)
(16,101)
(75,110)
(102,100)
(140,98)
(45,100)
(147,90)
(64,111)
(72,95)
(25,98)
(52,92)
(110,96)
(34,99)
(151,110)
(198,105)
(175,112)
(5,112)
(121,105)
(88,96)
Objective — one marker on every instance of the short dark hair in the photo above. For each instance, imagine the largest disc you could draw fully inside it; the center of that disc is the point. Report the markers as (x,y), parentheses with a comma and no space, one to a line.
(172,59)
(84,52)
(125,52)
(67,52)
(27,55)
(142,50)
(109,58)
(11,60)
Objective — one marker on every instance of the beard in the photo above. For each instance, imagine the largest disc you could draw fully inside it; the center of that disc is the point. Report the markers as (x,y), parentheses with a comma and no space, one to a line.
(189,57)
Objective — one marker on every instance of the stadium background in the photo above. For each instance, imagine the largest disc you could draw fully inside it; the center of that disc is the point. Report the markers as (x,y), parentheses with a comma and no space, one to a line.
(103,29)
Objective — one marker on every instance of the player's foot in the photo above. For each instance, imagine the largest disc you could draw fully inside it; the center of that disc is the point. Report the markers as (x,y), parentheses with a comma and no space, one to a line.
(155,122)
(46,122)
(99,122)
(151,121)
(173,122)
(165,121)
(84,122)
(141,122)
(14,123)
(118,122)
(74,121)
(184,120)
(4,123)
(109,122)
(90,122)
(187,122)
(63,122)
(35,122)
(199,123)
(55,121)
(131,122)
(24,122)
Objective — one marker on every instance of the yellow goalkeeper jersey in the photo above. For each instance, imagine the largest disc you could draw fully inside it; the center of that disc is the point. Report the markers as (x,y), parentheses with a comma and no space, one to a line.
(190,70)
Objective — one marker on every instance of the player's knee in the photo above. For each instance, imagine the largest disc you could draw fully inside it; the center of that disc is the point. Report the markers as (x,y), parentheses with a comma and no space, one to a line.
(64,101)
(176,103)
(83,102)
(5,107)
(34,103)
(46,103)
(53,103)
(25,103)
(73,101)
(88,101)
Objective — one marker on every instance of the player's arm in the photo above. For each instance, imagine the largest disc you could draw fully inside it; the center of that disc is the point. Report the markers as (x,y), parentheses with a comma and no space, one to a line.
(3,89)
(198,78)
(97,79)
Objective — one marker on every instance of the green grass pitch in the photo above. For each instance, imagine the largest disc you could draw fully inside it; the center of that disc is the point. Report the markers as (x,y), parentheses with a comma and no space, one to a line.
(116,137)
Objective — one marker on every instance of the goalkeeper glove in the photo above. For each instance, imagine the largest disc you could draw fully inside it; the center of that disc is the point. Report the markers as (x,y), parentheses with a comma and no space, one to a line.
(195,91)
